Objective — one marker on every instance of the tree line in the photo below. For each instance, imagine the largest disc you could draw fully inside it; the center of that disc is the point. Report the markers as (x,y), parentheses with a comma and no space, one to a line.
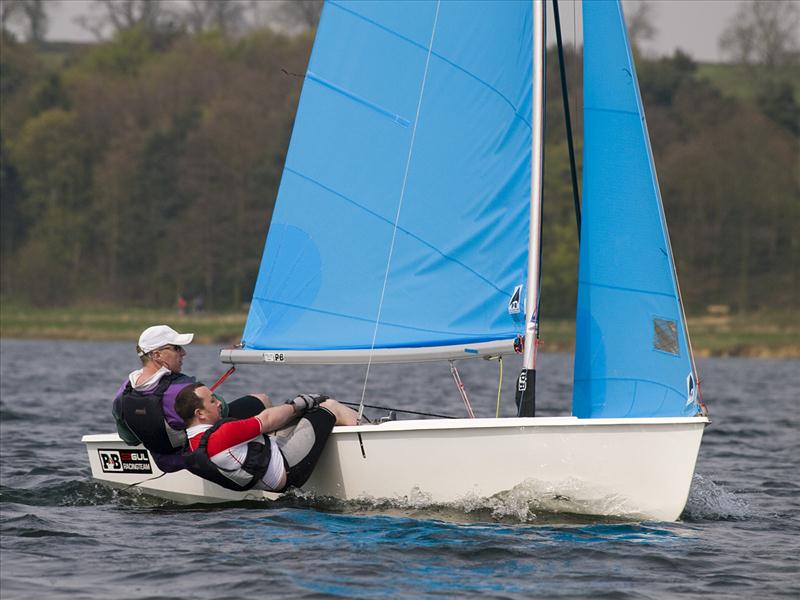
(144,167)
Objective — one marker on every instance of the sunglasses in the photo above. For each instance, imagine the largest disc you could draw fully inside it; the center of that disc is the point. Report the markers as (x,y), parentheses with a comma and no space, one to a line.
(173,347)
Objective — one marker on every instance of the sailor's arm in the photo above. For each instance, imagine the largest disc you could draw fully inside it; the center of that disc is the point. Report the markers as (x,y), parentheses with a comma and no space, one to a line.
(275,417)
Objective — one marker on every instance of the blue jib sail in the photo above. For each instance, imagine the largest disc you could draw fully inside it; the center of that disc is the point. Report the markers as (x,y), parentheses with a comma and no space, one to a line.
(414,114)
(632,357)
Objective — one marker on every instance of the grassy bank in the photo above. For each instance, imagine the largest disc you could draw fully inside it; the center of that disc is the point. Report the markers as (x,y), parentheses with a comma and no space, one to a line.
(757,335)
(123,324)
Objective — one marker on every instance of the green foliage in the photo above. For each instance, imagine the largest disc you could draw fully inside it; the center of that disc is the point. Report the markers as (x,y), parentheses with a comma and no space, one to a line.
(743,82)
(123,56)
(52,161)
(729,179)
(21,71)
(13,224)
(158,161)
(49,154)
(663,78)
(559,236)
(147,166)
(777,101)
(18,64)
(48,93)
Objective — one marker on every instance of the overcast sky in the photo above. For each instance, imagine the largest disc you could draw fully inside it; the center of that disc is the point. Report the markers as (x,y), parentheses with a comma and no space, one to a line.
(692,25)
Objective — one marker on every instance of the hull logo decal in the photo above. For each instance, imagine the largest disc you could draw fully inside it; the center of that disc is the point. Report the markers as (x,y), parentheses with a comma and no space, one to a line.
(124,461)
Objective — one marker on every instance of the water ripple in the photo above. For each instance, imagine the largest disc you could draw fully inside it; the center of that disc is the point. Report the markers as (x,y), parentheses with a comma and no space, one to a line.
(709,501)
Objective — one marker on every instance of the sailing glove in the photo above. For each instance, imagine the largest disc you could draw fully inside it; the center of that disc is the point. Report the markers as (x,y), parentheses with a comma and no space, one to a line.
(306,402)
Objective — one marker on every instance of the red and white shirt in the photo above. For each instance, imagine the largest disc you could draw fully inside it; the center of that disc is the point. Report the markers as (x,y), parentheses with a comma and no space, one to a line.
(227,448)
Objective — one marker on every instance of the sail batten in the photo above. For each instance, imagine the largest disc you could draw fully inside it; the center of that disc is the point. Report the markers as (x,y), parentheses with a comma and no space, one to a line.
(385,112)
(627,289)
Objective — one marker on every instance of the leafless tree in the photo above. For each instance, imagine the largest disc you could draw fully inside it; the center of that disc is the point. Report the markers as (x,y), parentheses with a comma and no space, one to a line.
(30,14)
(639,18)
(120,15)
(8,10)
(294,15)
(226,15)
(763,33)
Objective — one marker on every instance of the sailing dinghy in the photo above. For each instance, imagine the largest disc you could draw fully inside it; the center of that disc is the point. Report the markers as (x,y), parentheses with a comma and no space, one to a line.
(407,228)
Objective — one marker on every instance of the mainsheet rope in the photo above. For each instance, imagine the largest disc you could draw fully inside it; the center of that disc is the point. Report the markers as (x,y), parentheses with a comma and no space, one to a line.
(397,214)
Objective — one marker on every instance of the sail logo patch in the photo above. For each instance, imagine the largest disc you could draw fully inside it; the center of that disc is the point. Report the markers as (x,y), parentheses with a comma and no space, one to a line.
(692,390)
(515,303)
(124,461)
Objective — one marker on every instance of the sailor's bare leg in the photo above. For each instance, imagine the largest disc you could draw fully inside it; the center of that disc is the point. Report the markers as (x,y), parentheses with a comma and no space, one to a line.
(264,399)
(343,414)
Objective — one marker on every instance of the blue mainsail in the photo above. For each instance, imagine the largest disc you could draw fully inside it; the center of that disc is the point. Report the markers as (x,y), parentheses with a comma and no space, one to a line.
(411,148)
(632,357)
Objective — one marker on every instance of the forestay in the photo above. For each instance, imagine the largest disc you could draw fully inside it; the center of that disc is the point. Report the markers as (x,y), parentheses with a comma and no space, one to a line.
(402,215)
(632,355)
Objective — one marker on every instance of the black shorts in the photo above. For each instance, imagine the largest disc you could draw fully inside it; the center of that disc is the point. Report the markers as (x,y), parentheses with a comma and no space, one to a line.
(245,407)
(302,448)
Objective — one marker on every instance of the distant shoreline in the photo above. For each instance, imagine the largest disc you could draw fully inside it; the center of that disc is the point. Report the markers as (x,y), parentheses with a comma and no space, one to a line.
(761,335)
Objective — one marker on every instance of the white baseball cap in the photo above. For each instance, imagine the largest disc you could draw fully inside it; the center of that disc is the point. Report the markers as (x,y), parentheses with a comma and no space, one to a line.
(158,336)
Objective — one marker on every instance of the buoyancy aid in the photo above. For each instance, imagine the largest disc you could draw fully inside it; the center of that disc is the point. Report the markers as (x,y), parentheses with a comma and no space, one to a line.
(143,413)
(255,464)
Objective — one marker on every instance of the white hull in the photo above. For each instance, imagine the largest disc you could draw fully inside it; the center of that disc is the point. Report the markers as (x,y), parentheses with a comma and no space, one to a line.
(638,468)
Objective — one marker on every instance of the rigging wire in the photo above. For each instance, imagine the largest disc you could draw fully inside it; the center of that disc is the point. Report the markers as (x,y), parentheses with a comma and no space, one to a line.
(567,118)
(461,389)
(408,412)
(578,108)
(399,208)
(499,387)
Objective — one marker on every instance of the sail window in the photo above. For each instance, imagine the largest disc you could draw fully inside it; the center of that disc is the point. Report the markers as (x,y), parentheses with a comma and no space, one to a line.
(665,335)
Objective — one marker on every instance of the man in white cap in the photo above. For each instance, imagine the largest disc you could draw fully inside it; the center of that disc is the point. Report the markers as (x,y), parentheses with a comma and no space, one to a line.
(144,406)
(161,350)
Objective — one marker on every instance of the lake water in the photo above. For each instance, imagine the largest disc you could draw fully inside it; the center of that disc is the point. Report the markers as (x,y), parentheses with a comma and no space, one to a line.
(63,536)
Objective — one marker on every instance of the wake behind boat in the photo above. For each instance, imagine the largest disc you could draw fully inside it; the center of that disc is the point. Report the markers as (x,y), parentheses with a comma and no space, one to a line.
(407,228)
